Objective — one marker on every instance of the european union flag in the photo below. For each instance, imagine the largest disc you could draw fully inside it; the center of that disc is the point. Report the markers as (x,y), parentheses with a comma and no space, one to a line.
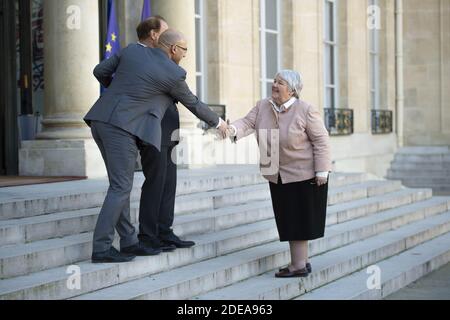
(112,45)
(146,10)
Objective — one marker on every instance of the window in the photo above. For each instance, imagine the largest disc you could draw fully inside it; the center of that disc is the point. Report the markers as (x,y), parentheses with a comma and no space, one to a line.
(270,44)
(374,51)
(330,54)
(200,63)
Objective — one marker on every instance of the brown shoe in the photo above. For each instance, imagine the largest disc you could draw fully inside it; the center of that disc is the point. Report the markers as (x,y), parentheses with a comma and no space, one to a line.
(291,274)
(308,267)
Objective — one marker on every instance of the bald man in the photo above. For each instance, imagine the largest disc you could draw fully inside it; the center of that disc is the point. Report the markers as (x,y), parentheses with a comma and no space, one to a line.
(157,204)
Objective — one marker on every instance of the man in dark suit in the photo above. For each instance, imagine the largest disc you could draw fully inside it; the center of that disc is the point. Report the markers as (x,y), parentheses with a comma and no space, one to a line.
(157,205)
(128,114)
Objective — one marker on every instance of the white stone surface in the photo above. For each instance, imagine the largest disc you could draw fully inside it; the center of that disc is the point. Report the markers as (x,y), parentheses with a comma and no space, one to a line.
(332,241)
(396,273)
(78,158)
(235,234)
(338,263)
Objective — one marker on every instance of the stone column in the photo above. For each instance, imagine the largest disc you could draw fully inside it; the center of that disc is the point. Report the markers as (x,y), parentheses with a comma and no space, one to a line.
(307,17)
(129,16)
(65,146)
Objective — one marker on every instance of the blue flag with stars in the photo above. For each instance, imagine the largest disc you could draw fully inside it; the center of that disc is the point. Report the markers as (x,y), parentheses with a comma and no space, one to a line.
(146,10)
(112,45)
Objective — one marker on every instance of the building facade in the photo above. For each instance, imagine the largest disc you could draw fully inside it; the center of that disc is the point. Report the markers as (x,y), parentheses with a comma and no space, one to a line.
(379,71)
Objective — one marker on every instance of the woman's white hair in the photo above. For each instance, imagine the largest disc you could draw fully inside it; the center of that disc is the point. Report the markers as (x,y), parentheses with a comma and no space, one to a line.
(293,79)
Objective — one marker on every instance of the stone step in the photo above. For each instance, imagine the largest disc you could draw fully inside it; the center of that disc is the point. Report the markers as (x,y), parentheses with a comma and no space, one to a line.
(421,158)
(422,167)
(421,173)
(28,201)
(62,224)
(226,218)
(50,284)
(73,222)
(21,259)
(426,150)
(438,180)
(215,273)
(338,263)
(91,193)
(395,273)
(363,207)
(423,182)
(206,246)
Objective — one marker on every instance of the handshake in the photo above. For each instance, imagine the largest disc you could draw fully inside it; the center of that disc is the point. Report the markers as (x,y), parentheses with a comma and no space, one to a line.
(225,130)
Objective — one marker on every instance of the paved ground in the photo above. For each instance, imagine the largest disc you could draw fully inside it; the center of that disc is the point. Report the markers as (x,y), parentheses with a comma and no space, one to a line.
(435,286)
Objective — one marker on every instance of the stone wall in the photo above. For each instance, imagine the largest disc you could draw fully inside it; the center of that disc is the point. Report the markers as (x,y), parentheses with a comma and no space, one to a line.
(427,72)
(233,60)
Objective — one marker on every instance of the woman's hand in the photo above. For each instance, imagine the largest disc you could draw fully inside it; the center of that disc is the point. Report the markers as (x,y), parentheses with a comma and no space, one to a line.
(321,181)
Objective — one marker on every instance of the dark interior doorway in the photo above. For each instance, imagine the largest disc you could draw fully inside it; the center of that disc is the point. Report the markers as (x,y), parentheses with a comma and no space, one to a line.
(8,89)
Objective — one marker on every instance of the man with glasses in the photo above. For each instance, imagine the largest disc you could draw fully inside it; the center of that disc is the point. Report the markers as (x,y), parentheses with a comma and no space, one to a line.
(157,204)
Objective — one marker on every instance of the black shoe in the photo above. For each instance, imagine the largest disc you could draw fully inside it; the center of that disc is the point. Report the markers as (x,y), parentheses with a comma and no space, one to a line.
(166,247)
(111,256)
(141,249)
(308,267)
(177,242)
(292,274)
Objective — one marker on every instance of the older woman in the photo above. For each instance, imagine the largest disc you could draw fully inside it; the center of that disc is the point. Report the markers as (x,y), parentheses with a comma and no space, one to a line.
(299,165)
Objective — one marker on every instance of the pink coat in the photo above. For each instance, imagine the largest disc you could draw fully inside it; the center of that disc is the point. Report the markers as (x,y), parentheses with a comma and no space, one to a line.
(303,145)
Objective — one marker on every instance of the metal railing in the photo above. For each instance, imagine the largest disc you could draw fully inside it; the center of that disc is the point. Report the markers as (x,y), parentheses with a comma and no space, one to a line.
(382,121)
(339,121)
(220,109)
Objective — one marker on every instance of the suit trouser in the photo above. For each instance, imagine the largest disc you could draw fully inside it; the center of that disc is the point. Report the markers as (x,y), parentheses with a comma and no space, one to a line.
(156,211)
(119,151)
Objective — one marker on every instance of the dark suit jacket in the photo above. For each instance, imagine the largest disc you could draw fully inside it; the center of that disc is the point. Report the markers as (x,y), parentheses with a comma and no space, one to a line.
(144,86)
(170,125)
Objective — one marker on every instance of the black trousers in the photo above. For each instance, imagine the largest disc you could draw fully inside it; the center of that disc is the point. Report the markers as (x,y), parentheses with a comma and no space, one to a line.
(157,204)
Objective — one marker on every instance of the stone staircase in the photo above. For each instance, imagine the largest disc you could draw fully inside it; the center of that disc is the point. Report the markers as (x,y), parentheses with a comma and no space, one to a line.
(422,167)
(44,229)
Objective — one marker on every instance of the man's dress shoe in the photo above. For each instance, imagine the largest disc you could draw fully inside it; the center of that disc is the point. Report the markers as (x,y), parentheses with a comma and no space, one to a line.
(141,249)
(111,256)
(177,242)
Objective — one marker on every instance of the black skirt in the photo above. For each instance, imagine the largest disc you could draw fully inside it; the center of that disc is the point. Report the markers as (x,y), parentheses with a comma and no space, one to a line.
(300,209)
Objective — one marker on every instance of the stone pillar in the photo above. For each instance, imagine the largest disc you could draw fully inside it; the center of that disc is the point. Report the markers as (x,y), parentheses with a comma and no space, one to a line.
(308,59)
(358,84)
(129,16)
(65,146)
(400,98)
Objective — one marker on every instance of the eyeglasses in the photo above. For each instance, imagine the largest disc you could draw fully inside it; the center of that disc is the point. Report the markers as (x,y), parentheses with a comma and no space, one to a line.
(183,48)
(167,45)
